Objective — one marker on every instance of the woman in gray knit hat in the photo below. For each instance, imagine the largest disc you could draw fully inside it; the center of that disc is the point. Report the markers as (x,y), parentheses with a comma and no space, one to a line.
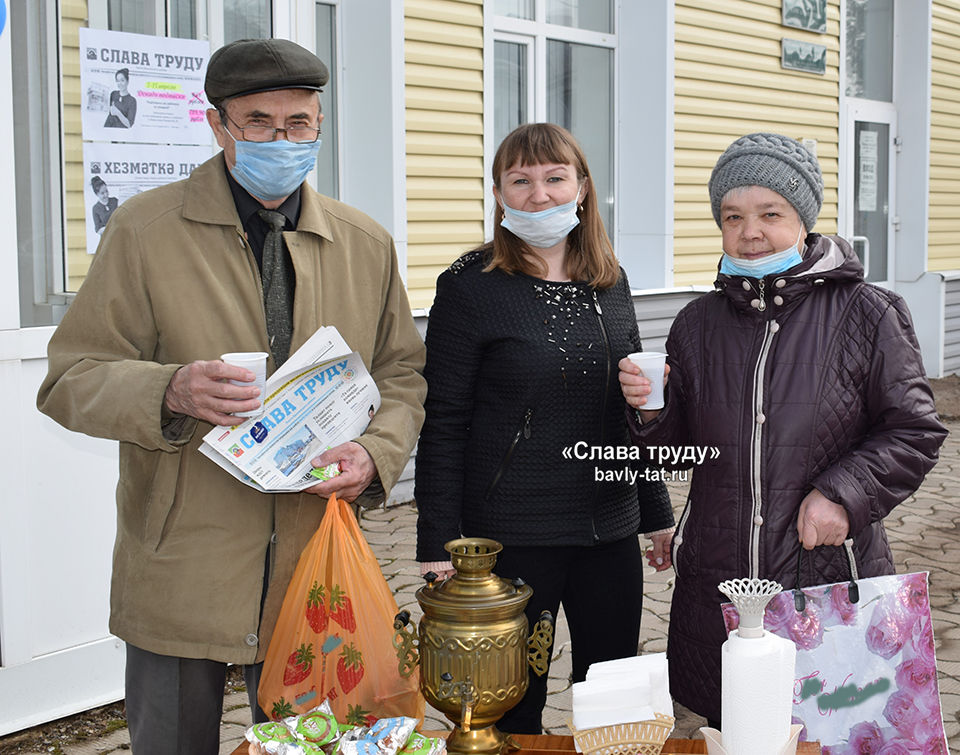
(808,381)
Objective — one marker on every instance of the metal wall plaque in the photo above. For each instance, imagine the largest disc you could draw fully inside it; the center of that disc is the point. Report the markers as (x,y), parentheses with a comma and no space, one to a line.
(805,14)
(803,56)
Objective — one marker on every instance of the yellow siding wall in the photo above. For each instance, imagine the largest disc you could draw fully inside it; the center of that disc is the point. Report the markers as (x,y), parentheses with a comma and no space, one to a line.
(728,82)
(73,15)
(444,121)
(944,232)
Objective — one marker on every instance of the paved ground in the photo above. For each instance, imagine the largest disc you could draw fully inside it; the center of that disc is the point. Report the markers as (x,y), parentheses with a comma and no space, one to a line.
(924,531)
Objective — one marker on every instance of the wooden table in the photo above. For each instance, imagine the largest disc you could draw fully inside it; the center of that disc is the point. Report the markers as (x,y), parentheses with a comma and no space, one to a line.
(555,744)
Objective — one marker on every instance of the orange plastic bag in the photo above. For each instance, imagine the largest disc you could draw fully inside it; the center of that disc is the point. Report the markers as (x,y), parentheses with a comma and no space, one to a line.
(334,636)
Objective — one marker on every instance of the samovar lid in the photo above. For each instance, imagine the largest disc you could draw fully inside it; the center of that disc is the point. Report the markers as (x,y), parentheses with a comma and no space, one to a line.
(474,586)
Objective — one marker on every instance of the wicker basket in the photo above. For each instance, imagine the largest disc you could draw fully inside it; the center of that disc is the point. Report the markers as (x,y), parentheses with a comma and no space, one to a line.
(638,738)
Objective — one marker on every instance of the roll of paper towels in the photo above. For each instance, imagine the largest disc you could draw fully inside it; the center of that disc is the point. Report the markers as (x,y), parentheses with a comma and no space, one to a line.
(757,696)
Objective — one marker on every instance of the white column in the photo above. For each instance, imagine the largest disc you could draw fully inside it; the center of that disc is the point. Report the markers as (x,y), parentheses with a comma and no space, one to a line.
(922,290)
(372,123)
(644,237)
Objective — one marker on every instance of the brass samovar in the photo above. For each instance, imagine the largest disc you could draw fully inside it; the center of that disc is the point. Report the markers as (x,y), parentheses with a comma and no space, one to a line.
(472,646)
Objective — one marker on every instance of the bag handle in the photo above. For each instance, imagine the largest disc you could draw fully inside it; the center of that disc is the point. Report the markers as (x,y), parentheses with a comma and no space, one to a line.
(800,600)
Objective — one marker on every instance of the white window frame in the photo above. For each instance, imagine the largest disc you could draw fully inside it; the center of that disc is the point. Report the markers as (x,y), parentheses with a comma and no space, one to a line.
(371,120)
(97,16)
(529,42)
(9,283)
(643,126)
(298,23)
(50,283)
(536,34)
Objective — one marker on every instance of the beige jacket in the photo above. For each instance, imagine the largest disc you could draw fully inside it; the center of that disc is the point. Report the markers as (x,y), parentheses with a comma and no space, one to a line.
(175,281)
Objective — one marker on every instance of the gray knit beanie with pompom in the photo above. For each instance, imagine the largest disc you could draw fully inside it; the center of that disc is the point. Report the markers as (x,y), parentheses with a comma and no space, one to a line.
(776,162)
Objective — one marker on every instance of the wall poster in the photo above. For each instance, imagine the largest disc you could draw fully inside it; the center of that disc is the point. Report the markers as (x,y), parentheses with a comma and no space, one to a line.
(139,88)
(115,172)
(143,117)
(868,150)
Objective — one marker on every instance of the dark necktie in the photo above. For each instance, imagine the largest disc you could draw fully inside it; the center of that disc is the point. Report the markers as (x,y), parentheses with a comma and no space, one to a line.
(278,283)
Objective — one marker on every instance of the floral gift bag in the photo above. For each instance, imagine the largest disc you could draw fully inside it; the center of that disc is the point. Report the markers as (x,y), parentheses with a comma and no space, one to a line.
(866,675)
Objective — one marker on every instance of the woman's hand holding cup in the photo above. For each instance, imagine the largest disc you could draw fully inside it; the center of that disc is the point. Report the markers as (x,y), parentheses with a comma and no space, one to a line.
(638,389)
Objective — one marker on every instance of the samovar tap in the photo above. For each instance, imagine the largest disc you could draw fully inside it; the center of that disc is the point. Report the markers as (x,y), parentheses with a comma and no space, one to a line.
(465,690)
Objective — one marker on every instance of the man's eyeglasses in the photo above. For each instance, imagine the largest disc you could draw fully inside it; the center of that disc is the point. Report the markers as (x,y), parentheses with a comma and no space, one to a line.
(297,133)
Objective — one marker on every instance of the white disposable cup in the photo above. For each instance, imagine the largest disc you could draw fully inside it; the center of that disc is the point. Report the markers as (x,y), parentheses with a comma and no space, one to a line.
(256,362)
(651,364)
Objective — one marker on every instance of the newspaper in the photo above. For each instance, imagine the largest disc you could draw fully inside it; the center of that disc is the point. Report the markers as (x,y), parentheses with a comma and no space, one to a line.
(321,397)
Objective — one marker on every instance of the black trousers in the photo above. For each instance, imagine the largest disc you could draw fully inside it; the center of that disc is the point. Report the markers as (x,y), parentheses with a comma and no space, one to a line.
(601,590)
(174,705)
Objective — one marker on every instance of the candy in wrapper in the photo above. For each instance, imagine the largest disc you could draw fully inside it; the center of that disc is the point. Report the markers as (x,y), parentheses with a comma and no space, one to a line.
(334,748)
(383,737)
(421,745)
(349,737)
(271,736)
(326,473)
(316,727)
(291,721)
(296,735)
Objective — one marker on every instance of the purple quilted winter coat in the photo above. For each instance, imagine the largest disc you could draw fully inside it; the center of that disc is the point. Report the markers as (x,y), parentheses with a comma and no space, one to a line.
(810,378)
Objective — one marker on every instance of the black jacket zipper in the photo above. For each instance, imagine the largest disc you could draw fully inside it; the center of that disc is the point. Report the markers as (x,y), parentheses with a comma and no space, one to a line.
(523,430)
(603,402)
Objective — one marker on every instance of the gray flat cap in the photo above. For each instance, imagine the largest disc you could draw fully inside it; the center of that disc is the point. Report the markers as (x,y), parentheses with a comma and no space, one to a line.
(776,162)
(248,66)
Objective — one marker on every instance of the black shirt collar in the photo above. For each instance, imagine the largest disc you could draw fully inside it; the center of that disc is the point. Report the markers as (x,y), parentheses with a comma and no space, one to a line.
(254,227)
(247,204)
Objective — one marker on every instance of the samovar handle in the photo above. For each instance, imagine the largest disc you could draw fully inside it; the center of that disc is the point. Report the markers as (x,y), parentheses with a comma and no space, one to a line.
(539,644)
(405,643)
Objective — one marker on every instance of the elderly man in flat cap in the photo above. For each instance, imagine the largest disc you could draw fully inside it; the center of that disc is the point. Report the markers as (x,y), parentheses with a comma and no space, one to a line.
(808,381)
(242,256)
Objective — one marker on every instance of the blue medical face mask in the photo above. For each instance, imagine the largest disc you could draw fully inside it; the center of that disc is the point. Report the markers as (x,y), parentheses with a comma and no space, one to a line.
(545,228)
(770,264)
(273,170)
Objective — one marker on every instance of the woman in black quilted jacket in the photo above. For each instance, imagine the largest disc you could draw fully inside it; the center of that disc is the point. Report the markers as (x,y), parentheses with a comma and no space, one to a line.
(523,342)
(808,382)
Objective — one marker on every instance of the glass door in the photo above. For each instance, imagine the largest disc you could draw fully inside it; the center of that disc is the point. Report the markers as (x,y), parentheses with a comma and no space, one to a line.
(868,136)
(870,222)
